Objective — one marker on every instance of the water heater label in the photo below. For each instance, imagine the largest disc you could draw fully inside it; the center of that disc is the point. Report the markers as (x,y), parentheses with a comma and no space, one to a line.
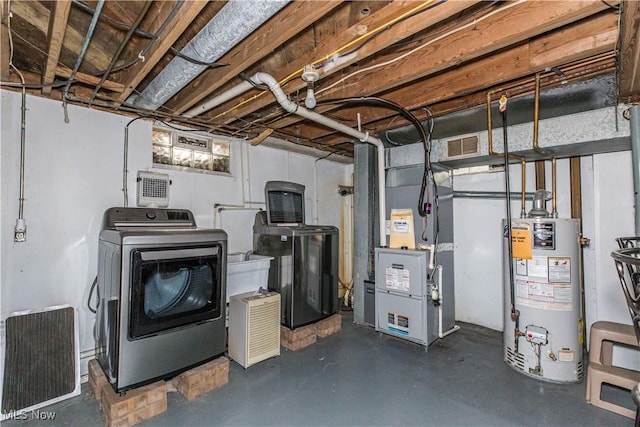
(538,267)
(397,279)
(566,355)
(560,269)
(544,295)
(544,235)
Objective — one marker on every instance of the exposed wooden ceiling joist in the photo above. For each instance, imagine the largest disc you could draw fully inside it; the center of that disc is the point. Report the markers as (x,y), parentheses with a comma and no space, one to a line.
(4,42)
(186,14)
(393,12)
(551,50)
(629,53)
(57,26)
(259,45)
(91,80)
(602,65)
(444,54)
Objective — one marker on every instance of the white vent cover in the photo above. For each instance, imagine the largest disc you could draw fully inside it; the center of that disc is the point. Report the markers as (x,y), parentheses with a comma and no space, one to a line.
(254,327)
(153,189)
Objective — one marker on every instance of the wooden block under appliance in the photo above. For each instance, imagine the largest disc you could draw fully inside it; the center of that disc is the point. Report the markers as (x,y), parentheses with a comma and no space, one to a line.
(133,406)
(139,415)
(203,379)
(299,338)
(329,326)
(97,378)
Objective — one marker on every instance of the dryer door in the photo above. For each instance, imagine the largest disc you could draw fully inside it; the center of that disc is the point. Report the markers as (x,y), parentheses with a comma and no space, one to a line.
(174,287)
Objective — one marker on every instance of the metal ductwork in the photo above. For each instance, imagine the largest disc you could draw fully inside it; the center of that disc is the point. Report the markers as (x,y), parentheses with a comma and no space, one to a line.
(235,21)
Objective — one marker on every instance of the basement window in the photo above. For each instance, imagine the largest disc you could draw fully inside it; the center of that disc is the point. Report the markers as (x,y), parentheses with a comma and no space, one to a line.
(189,152)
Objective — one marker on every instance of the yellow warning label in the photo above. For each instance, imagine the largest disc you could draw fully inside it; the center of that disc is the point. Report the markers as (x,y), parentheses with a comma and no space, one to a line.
(521,243)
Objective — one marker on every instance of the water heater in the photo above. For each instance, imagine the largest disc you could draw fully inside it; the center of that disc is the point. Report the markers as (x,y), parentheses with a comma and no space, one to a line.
(542,317)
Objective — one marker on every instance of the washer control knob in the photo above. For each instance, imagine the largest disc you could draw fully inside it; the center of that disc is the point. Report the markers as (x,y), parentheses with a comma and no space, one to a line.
(151,215)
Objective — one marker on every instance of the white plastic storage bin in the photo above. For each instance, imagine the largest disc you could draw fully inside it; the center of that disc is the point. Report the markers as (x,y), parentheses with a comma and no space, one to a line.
(246,275)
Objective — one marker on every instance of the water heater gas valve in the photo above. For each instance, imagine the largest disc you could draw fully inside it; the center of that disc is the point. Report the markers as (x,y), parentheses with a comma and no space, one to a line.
(536,335)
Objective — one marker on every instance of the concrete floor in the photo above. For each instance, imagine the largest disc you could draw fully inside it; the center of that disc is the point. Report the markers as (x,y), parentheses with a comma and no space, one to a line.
(362,378)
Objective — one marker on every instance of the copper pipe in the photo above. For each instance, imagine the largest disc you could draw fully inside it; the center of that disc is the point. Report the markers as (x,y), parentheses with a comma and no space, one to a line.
(536,112)
(540,175)
(554,211)
(511,156)
(576,212)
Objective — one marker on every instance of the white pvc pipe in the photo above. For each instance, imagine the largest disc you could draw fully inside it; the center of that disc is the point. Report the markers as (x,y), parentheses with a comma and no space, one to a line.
(219,100)
(290,107)
(442,334)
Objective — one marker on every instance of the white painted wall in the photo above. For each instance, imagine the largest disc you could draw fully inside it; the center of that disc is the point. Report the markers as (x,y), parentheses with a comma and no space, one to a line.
(478,239)
(74,173)
(612,216)
(608,212)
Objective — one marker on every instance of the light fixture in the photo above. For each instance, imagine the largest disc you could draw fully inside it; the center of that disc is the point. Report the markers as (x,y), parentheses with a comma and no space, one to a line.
(310,75)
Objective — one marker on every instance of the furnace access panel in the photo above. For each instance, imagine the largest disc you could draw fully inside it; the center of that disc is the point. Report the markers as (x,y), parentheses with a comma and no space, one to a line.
(403,297)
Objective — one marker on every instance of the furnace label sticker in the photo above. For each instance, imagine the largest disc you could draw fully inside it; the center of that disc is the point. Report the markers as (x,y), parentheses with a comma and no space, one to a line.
(397,279)
(560,269)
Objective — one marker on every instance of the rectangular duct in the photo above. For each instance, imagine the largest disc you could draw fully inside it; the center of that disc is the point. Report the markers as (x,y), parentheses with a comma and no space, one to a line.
(580,134)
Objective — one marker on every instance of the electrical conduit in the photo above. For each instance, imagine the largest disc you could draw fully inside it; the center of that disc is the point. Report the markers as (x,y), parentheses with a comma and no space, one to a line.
(83,51)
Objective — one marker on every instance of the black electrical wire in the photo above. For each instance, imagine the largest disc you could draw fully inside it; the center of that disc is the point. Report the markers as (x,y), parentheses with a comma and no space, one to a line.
(427,174)
(93,288)
(612,6)
(152,39)
(324,157)
(197,61)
